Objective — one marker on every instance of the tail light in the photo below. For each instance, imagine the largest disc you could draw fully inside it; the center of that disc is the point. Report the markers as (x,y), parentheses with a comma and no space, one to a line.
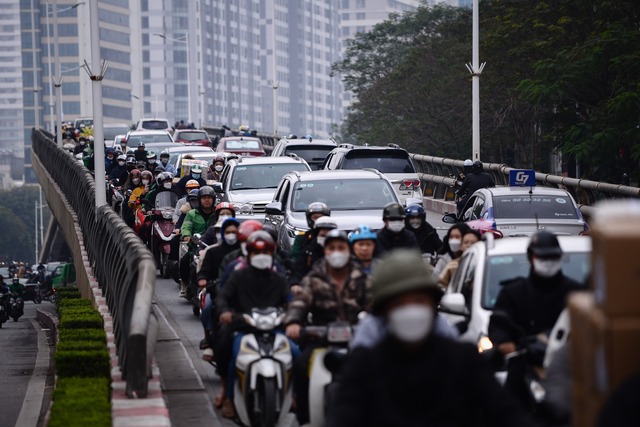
(407,183)
(416,184)
(410,184)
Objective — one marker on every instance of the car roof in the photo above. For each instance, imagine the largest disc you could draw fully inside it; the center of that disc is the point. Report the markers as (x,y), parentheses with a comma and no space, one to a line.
(144,119)
(265,160)
(189,148)
(190,130)
(339,174)
(304,141)
(148,132)
(239,137)
(518,245)
(537,190)
(352,147)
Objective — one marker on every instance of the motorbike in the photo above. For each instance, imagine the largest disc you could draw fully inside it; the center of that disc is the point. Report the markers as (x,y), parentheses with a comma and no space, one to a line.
(262,390)
(195,246)
(5,309)
(115,196)
(162,230)
(16,304)
(324,372)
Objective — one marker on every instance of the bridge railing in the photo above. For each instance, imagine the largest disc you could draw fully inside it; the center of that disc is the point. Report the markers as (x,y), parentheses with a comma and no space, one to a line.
(121,263)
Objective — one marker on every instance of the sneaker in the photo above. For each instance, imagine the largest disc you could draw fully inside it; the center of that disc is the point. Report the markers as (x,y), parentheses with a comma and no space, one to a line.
(183,289)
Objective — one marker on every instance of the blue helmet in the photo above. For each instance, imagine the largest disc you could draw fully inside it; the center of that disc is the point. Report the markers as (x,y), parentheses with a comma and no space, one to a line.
(193,194)
(415,211)
(362,232)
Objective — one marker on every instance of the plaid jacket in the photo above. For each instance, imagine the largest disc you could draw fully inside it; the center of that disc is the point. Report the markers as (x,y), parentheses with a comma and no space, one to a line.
(320,297)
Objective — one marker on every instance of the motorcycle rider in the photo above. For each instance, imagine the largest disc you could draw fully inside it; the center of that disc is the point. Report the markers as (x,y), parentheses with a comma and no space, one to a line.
(314,211)
(415,377)
(109,160)
(196,222)
(394,235)
(164,182)
(363,245)
(152,160)
(17,288)
(222,211)
(194,173)
(427,236)
(215,170)
(82,145)
(450,247)
(257,286)
(140,154)
(236,259)
(4,289)
(312,251)
(164,161)
(119,174)
(474,181)
(534,303)
(182,202)
(469,237)
(336,289)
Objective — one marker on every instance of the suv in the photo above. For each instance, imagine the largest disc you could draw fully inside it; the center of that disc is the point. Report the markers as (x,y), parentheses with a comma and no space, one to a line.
(354,197)
(391,160)
(242,146)
(250,182)
(154,124)
(314,151)
(484,267)
(192,137)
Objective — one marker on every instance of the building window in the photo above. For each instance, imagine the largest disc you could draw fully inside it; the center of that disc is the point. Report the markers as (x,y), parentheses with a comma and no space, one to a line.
(360,16)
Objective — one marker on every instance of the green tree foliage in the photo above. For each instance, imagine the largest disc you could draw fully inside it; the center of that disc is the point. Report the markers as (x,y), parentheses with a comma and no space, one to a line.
(560,75)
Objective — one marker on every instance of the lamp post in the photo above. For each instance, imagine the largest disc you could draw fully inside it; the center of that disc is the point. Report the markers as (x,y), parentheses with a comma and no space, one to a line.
(36,104)
(154,100)
(475,68)
(274,82)
(184,41)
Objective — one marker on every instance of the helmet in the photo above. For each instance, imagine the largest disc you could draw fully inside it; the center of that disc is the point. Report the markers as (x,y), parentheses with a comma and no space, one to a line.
(196,169)
(415,211)
(335,235)
(192,195)
(192,183)
(393,210)
(142,165)
(110,150)
(146,174)
(224,205)
(159,179)
(206,191)
(398,272)
(326,223)
(260,240)
(159,169)
(141,144)
(135,174)
(477,166)
(151,154)
(218,159)
(271,230)
(316,207)
(544,244)
(363,232)
(467,163)
(122,157)
(164,153)
(248,227)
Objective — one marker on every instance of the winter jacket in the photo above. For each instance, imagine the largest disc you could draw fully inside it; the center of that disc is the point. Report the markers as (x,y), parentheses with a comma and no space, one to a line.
(135,196)
(182,184)
(320,297)
(441,383)
(252,288)
(177,211)
(427,237)
(140,155)
(310,252)
(388,241)
(533,303)
(168,167)
(119,174)
(196,222)
(475,181)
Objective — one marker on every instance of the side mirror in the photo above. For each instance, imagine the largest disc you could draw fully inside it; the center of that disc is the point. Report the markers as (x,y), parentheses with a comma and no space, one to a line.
(454,304)
(450,218)
(274,208)
(217,187)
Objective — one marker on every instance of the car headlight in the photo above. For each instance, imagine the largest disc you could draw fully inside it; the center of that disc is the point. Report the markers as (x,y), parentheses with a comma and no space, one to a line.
(292,231)
(243,208)
(484,344)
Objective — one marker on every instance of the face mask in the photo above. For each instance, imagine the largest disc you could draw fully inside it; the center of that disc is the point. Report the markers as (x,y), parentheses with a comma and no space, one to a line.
(395,226)
(411,323)
(167,185)
(218,168)
(195,175)
(82,142)
(454,244)
(547,267)
(415,223)
(165,161)
(121,163)
(110,157)
(152,161)
(223,217)
(320,240)
(145,181)
(136,181)
(230,238)
(261,261)
(194,204)
(338,259)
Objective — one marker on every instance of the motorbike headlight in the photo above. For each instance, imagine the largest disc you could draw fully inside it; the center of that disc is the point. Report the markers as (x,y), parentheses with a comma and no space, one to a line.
(167,214)
(484,344)
(283,347)
(248,346)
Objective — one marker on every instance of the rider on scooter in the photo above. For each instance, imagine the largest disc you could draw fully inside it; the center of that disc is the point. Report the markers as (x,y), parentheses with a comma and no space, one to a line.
(474,181)
(17,288)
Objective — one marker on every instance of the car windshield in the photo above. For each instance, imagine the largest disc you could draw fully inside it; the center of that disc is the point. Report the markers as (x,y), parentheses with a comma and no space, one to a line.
(254,177)
(110,132)
(502,268)
(193,136)
(542,207)
(241,144)
(135,139)
(343,194)
(155,124)
(314,155)
(386,161)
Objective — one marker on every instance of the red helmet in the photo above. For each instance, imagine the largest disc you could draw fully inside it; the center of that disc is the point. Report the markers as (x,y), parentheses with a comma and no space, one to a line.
(260,241)
(248,227)
(225,205)
(146,175)
(135,174)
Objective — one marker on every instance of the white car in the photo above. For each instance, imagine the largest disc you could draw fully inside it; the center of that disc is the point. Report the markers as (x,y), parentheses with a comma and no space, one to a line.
(472,292)
(154,124)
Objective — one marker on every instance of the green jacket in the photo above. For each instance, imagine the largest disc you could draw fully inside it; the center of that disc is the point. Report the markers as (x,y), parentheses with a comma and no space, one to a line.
(17,289)
(195,222)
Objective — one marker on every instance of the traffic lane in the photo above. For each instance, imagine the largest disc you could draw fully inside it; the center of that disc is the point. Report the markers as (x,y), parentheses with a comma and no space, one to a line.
(19,349)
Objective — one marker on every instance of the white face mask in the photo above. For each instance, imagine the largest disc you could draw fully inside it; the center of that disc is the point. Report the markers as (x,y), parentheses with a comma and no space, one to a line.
(320,240)
(165,161)
(121,162)
(547,267)
(167,185)
(218,168)
(415,223)
(261,261)
(338,259)
(395,226)
(152,161)
(136,181)
(411,323)
(454,244)
(230,238)
(145,182)
(195,175)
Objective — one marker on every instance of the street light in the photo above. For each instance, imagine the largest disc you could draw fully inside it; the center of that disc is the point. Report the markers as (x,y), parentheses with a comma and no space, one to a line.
(58,82)
(184,41)
(145,99)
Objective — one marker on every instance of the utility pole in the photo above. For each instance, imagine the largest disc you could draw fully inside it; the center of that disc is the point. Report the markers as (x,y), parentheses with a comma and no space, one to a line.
(274,82)
(36,83)
(475,68)
(58,82)
(36,232)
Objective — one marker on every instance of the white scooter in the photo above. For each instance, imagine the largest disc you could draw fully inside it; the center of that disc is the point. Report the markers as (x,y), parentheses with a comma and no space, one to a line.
(262,390)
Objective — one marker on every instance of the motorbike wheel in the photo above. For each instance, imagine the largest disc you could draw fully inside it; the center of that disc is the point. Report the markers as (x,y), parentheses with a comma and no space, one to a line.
(164,265)
(267,395)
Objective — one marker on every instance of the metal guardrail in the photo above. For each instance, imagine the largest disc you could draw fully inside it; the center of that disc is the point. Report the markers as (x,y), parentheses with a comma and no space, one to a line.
(123,266)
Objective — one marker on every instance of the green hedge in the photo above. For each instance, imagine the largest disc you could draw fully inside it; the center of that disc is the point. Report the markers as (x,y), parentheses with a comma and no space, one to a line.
(75,320)
(74,302)
(80,345)
(83,363)
(75,310)
(83,335)
(81,402)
